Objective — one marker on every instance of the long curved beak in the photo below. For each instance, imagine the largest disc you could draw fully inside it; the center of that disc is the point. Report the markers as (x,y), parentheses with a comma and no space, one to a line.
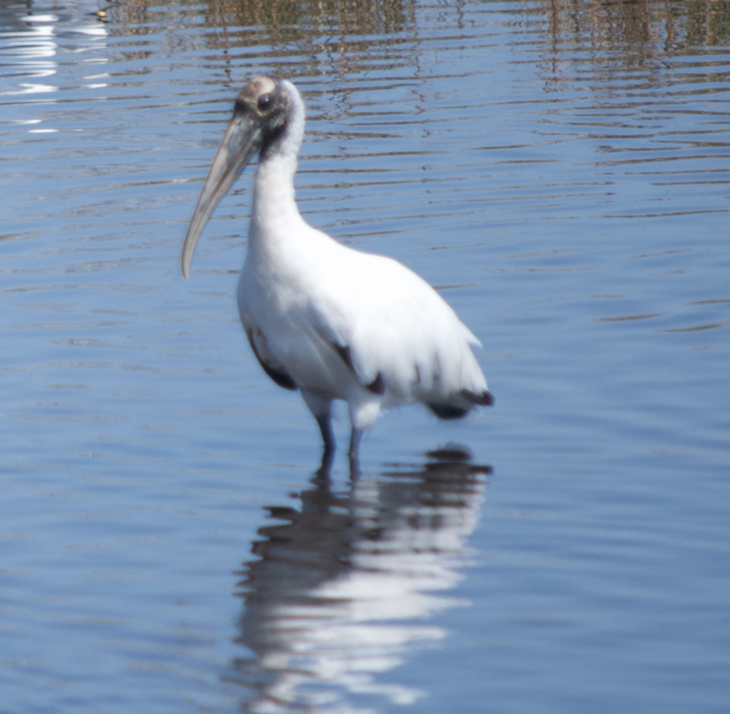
(240,143)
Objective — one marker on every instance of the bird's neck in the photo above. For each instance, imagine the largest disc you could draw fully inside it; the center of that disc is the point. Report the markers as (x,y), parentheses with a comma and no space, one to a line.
(275,218)
(274,213)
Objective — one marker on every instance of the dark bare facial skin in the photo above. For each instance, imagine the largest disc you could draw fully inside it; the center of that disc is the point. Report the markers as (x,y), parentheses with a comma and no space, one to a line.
(263,98)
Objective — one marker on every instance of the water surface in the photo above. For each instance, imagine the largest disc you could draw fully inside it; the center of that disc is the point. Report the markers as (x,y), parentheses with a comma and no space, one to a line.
(560,173)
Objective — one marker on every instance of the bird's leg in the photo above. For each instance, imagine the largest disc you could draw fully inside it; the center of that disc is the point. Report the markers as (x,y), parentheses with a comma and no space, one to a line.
(325,426)
(328,438)
(322,411)
(322,477)
(355,437)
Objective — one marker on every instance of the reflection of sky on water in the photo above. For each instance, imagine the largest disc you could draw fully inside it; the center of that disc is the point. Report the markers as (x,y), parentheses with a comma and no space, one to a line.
(344,583)
(29,49)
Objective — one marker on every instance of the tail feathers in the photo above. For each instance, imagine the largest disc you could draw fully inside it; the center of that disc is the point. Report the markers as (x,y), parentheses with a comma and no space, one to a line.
(485,399)
(447,411)
(457,411)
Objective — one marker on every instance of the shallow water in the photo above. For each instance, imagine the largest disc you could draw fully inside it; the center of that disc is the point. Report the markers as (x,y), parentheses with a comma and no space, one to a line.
(561,173)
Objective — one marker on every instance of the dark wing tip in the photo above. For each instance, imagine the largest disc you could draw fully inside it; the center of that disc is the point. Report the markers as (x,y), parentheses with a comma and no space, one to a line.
(279,375)
(346,355)
(485,399)
(377,386)
(281,378)
(451,411)
(447,411)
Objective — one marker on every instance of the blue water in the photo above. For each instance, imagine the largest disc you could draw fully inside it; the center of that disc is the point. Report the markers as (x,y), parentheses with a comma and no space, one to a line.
(561,174)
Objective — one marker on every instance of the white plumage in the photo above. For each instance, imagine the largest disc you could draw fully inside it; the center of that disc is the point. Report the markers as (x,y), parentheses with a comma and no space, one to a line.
(329,320)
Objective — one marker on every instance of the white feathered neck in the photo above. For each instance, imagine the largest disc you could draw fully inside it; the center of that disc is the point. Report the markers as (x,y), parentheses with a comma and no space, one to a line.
(274,207)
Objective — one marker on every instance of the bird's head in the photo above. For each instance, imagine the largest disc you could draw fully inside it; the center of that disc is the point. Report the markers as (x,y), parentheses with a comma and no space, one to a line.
(260,116)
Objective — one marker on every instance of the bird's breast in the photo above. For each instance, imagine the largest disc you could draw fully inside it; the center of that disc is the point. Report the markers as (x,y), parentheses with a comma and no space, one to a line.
(281,313)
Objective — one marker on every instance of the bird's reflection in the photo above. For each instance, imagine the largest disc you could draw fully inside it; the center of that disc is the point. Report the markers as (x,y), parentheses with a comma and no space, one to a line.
(342,586)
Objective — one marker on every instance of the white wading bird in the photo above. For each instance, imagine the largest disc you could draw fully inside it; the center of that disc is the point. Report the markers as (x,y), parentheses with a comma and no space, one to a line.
(331,321)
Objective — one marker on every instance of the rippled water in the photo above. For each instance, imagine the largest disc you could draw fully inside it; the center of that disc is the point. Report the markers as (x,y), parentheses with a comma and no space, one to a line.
(561,172)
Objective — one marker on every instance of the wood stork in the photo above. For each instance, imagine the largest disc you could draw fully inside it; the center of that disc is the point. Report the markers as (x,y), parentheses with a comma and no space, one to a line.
(329,320)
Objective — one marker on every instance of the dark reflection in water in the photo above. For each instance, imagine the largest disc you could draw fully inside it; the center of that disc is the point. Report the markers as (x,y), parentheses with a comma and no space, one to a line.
(637,31)
(286,21)
(282,21)
(632,31)
(343,583)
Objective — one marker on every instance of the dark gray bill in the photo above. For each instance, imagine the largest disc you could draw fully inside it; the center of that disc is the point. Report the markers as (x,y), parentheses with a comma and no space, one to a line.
(240,142)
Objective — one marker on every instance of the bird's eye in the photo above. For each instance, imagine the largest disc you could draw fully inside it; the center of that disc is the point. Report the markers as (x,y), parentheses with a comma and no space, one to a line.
(265,102)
